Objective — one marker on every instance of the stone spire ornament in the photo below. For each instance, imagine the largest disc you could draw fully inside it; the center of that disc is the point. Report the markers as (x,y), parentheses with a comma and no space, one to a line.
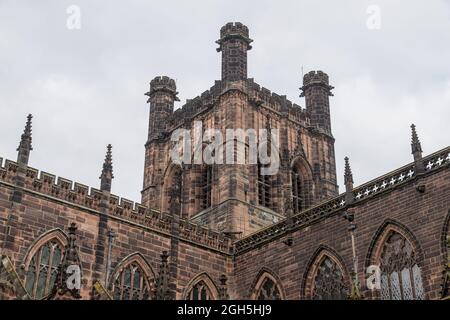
(416,150)
(348,180)
(163,280)
(107,171)
(299,150)
(68,280)
(223,290)
(25,143)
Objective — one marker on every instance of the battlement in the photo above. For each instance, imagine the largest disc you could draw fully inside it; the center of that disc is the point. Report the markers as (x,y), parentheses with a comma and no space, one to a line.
(164,84)
(315,77)
(259,95)
(375,187)
(279,103)
(234,30)
(90,198)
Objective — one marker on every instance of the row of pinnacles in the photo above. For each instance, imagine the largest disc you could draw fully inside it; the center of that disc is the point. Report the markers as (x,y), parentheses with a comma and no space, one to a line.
(163,94)
(23,177)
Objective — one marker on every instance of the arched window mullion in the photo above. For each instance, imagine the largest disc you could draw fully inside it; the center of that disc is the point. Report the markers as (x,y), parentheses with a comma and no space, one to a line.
(131,282)
(38,270)
(122,283)
(49,270)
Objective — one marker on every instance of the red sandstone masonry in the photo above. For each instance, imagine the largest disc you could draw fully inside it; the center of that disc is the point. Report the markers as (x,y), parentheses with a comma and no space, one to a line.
(47,205)
(202,251)
(423,215)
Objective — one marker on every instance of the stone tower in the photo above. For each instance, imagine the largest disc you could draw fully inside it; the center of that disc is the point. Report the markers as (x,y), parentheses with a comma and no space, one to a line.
(234,43)
(161,97)
(236,197)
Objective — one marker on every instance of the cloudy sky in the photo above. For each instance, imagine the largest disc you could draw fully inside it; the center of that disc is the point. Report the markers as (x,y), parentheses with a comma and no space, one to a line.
(85,87)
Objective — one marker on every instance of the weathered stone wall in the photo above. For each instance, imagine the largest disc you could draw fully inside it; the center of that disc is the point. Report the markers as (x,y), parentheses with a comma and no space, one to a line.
(422,217)
(192,249)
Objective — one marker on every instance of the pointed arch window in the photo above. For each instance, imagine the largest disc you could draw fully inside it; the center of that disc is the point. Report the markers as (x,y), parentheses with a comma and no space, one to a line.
(302,187)
(43,267)
(132,283)
(200,291)
(268,290)
(329,281)
(401,277)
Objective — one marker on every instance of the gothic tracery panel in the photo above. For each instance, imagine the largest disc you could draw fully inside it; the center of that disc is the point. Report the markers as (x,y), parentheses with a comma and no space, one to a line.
(269,291)
(401,277)
(201,287)
(132,282)
(200,291)
(267,288)
(328,281)
(43,267)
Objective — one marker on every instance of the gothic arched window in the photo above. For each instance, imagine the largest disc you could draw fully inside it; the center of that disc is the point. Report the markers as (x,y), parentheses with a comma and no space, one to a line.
(401,277)
(42,268)
(266,287)
(132,281)
(268,290)
(201,287)
(302,187)
(200,291)
(328,283)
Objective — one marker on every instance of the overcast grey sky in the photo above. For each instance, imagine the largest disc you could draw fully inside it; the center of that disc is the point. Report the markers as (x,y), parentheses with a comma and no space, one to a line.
(86,87)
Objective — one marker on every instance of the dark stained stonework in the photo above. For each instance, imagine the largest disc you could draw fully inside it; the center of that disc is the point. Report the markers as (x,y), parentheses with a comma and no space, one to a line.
(203,232)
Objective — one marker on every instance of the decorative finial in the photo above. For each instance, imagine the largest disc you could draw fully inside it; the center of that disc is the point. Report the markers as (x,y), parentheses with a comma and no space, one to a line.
(348,176)
(223,291)
(416,150)
(25,143)
(107,171)
(68,279)
(163,280)
(348,180)
(415,142)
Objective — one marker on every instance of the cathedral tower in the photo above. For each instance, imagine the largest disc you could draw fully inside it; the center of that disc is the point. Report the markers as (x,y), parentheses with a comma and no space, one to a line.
(234,43)
(233,197)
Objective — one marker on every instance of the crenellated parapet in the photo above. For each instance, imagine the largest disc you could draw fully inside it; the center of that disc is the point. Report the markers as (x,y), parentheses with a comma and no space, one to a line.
(88,198)
(257,95)
(316,78)
(383,184)
(317,90)
(162,84)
